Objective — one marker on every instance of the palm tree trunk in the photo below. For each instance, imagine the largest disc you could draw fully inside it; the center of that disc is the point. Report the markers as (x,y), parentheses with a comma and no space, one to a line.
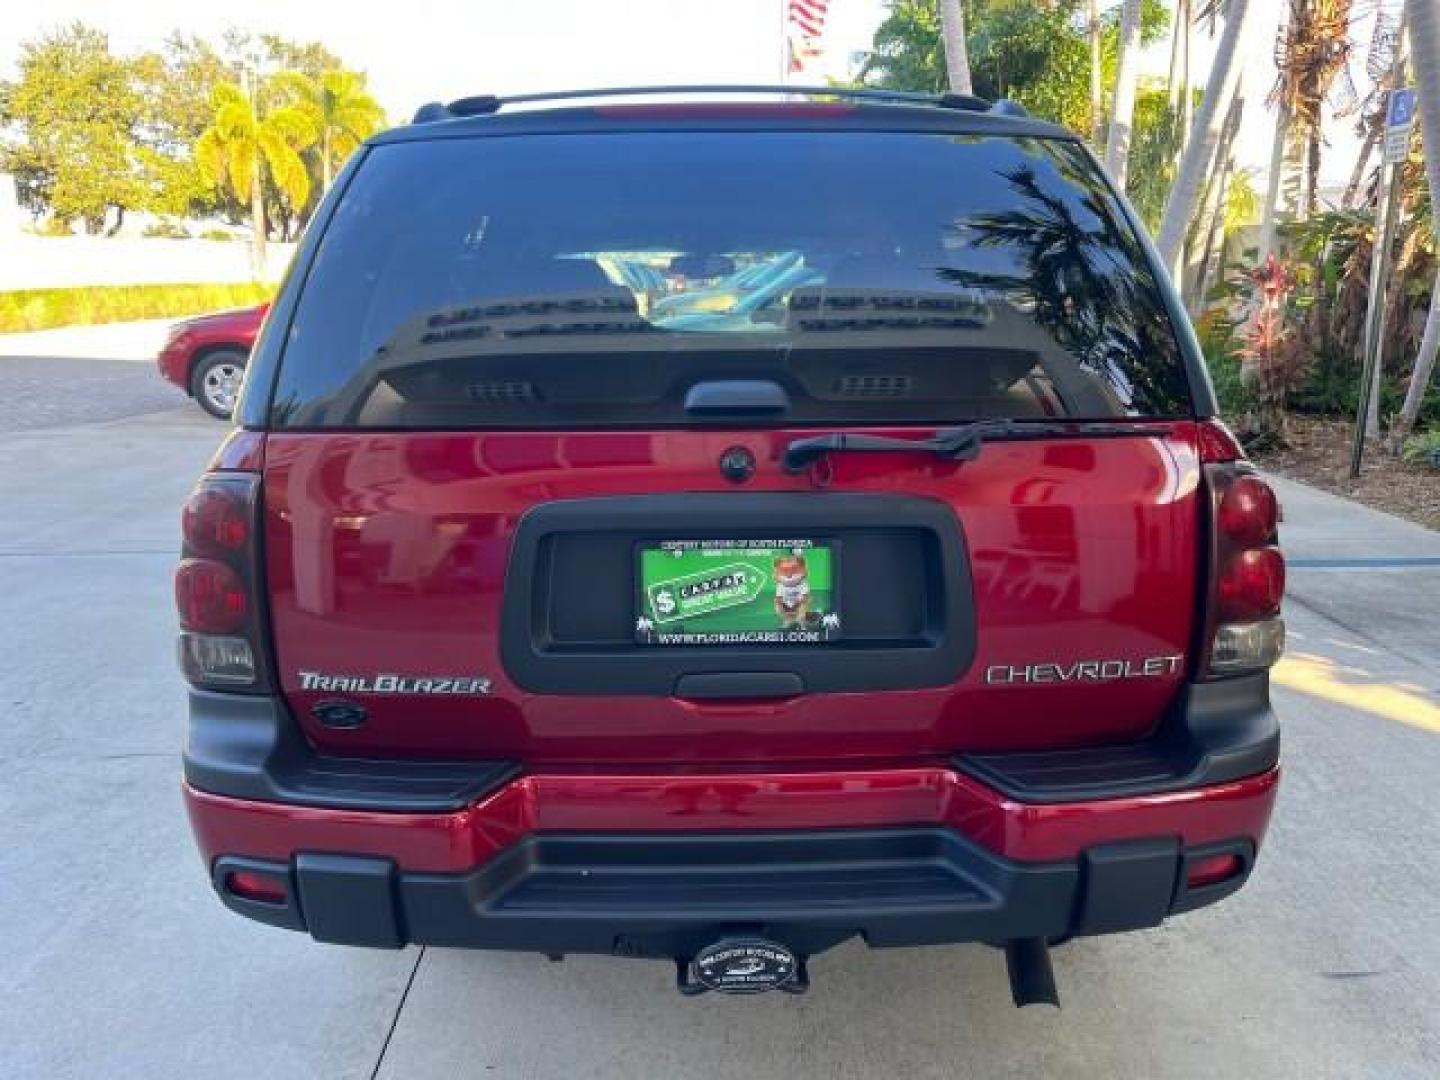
(1424,18)
(1097,101)
(1269,213)
(1204,135)
(1212,256)
(1179,83)
(1122,109)
(1212,212)
(257,221)
(325,163)
(1423,371)
(1357,174)
(957,55)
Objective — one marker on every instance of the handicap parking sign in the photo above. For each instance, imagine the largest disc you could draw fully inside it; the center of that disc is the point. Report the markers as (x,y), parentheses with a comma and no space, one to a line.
(1401,112)
(1399,118)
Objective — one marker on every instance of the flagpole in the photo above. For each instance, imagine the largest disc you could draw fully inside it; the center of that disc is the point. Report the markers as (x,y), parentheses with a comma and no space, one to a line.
(784,6)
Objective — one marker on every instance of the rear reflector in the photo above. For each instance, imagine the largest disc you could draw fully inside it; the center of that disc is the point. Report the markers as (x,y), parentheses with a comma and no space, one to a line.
(1212,870)
(249,885)
(1246,646)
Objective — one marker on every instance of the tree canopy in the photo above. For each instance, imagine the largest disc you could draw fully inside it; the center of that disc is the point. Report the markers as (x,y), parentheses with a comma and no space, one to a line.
(90,135)
(1034,51)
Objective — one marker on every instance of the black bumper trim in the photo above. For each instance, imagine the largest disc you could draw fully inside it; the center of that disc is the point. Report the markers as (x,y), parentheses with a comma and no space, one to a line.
(1214,733)
(247,747)
(668,895)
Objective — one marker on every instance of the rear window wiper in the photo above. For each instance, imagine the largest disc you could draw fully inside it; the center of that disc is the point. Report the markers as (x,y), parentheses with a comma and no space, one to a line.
(958,443)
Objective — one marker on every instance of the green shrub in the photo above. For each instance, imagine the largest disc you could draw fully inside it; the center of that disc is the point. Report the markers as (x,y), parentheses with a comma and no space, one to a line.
(1332,388)
(1423,449)
(41,309)
(214,233)
(1237,401)
(166,229)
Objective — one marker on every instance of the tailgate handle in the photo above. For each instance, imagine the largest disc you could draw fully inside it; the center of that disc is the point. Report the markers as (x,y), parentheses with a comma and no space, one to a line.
(730,397)
(720,685)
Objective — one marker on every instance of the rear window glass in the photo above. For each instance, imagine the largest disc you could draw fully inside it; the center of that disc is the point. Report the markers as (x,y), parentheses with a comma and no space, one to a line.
(594,280)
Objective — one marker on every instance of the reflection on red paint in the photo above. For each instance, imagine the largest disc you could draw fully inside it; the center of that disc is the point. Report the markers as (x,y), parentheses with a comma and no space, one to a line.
(387,552)
(606,802)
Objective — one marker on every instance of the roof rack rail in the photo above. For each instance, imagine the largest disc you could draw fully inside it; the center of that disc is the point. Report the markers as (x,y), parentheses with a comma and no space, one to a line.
(488,104)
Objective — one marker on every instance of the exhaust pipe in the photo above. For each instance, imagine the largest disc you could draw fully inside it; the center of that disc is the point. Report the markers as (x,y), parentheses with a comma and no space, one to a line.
(1032,979)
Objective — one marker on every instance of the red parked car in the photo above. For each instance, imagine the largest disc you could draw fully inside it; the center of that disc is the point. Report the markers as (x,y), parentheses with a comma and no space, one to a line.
(901,583)
(206,356)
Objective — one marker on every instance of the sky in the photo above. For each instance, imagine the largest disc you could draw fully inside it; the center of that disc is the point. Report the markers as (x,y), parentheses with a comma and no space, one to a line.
(444,49)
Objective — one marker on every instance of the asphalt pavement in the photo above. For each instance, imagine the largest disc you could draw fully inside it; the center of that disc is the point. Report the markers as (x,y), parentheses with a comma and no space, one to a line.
(119,962)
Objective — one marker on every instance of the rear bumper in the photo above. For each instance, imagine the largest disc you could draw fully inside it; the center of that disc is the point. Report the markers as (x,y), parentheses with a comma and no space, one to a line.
(670,895)
(991,848)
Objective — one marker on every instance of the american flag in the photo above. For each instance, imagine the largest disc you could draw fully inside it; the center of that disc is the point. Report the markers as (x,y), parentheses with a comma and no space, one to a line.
(807,17)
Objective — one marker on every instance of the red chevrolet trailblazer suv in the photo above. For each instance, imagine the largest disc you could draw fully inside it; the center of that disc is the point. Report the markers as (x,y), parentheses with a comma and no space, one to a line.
(713,528)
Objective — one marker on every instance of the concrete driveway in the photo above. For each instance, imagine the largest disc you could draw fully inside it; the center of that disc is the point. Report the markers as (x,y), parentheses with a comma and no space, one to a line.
(119,962)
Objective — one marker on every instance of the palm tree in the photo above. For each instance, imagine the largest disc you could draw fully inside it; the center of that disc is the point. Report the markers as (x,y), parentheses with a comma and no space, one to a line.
(244,143)
(1097,99)
(1312,51)
(957,56)
(1204,134)
(1424,21)
(1178,80)
(341,111)
(1122,110)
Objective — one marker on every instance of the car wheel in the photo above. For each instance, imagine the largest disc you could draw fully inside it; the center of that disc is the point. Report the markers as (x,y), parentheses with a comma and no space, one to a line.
(215,381)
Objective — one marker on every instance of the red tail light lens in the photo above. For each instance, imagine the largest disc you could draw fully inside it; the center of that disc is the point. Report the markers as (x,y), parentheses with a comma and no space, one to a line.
(1252,585)
(215,522)
(211,597)
(1248,512)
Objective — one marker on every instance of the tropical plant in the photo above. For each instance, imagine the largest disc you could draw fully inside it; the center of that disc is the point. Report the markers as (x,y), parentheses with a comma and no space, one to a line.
(1422,449)
(1035,53)
(1312,50)
(247,144)
(1271,342)
(1153,151)
(340,109)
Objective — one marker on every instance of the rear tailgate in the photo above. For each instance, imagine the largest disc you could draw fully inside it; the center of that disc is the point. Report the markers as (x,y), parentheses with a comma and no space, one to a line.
(388,554)
(515,364)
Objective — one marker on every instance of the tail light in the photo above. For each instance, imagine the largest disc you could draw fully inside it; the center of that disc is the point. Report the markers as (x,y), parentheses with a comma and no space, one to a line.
(1244,631)
(216,585)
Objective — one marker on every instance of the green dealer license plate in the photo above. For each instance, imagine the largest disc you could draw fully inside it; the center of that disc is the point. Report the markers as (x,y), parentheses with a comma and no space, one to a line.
(737,592)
